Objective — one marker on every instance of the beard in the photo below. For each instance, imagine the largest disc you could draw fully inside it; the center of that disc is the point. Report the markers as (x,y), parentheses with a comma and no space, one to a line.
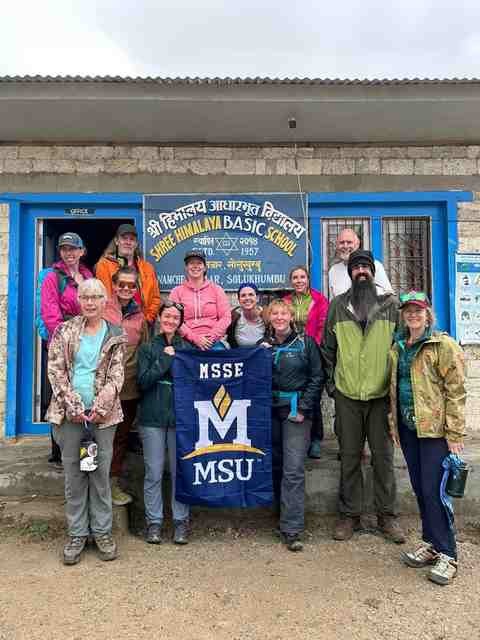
(364,297)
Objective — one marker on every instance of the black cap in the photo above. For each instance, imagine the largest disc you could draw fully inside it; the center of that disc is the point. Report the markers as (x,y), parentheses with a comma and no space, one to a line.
(361,256)
(70,240)
(126,228)
(195,253)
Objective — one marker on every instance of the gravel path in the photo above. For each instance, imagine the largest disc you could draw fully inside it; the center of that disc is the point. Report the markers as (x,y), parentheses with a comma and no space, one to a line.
(236,583)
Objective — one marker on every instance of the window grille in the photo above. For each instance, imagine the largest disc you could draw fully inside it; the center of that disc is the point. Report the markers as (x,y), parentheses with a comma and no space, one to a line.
(407,253)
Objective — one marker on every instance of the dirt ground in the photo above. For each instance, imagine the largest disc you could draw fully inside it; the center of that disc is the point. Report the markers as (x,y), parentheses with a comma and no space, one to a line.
(236,582)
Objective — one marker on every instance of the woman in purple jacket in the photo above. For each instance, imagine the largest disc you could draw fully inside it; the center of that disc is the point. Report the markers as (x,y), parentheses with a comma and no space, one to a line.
(58,295)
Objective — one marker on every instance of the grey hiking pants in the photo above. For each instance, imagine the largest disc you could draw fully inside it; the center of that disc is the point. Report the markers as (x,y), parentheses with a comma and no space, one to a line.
(88,496)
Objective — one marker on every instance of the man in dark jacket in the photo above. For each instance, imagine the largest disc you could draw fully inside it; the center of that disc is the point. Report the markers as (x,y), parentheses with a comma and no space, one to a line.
(355,348)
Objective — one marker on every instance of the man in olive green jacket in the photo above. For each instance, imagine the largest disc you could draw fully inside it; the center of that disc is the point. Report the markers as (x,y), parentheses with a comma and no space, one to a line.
(355,350)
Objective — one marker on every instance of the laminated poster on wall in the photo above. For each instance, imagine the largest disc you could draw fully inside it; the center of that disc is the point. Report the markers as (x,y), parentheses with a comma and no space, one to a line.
(245,237)
(467,297)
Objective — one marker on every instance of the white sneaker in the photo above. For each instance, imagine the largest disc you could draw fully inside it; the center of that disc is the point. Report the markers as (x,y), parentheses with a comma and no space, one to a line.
(422,556)
(444,571)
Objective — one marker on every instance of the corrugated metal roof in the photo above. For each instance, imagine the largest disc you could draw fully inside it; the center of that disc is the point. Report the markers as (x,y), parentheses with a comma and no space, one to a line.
(240,81)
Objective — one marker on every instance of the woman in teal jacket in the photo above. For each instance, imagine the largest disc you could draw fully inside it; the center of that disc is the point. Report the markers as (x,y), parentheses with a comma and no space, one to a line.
(156,420)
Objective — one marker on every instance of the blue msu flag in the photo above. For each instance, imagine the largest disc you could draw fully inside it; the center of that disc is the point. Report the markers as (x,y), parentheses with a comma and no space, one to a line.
(223,419)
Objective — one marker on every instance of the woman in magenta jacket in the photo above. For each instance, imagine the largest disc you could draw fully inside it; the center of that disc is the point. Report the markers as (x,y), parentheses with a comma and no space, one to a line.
(310,309)
(58,297)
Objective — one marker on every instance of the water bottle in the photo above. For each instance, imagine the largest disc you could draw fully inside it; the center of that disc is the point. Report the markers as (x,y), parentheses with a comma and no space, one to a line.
(457,479)
(88,450)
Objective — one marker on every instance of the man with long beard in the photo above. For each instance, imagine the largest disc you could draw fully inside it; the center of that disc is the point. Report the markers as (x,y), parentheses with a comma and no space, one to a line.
(355,348)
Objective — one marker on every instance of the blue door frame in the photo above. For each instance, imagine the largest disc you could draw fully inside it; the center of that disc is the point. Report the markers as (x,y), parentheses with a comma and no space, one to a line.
(439,206)
(25,210)
(25,207)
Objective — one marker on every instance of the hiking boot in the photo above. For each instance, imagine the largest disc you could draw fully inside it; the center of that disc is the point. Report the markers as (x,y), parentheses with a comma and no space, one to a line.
(153,534)
(391,530)
(72,551)
(444,570)
(422,556)
(107,548)
(345,527)
(315,449)
(119,497)
(180,533)
(293,542)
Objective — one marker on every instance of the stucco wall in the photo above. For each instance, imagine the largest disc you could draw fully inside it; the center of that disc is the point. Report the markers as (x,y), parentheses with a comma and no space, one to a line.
(159,169)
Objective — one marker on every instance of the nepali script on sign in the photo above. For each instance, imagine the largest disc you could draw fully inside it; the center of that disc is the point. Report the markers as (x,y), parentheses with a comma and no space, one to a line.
(245,237)
(223,425)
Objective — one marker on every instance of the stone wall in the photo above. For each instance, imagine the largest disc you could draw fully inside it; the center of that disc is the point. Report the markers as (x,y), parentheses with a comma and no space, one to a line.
(241,161)
(184,168)
(3,311)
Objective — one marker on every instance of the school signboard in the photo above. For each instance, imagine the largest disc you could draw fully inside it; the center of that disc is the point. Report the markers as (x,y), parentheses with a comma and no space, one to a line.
(245,237)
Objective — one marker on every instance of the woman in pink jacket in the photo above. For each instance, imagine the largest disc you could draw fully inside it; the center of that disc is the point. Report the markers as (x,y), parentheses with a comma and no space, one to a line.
(310,309)
(207,313)
(59,295)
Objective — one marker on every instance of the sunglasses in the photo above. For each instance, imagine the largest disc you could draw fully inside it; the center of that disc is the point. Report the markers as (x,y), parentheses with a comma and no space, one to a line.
(413,296)
(126,285)
(168,304)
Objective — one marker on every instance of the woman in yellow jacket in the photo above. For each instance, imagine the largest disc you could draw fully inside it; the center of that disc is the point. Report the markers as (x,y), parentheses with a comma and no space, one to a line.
(427,419)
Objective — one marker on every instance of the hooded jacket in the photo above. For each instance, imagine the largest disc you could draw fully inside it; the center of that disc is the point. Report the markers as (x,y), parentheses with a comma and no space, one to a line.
(437,375)
(66,403)
(297,366)
(133,323)
(56,307)
(317,314)
(356,360)
(206,310)
(109,264)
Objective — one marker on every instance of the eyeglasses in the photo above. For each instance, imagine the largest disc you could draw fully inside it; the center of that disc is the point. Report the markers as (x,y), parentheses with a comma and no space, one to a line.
(411,296)
(92,298)
(126,285)
(176,305)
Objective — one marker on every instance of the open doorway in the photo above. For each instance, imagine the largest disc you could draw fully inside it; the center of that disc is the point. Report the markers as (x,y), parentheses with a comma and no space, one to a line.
(96,235)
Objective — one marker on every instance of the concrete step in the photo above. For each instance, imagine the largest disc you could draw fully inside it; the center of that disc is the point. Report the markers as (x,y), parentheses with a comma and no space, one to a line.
(25,472)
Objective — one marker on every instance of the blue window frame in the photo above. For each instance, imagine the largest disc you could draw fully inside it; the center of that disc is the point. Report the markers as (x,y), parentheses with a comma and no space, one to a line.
(439,207)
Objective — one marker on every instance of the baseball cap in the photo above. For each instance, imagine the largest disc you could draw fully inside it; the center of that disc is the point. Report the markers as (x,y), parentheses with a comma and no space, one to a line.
(195,253)
(126,228)
(418,298)
(71,240)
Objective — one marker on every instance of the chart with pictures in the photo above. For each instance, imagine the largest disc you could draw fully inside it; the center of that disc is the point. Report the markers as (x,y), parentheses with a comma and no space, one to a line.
(467,298)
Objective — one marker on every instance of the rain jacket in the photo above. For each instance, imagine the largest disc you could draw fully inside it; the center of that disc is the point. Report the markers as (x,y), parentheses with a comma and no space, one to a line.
(109,264)
(206,310)
(297,366)
(356,361)
(317,314)
(155,382)
(55,307)
(438,383)
(133,323)
(66,402)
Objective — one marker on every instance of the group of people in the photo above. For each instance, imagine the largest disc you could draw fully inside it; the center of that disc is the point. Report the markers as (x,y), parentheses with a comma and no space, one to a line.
(394,380)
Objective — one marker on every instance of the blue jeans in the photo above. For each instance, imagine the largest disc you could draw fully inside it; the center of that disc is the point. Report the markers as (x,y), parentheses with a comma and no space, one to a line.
(156,443)
(424,458)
